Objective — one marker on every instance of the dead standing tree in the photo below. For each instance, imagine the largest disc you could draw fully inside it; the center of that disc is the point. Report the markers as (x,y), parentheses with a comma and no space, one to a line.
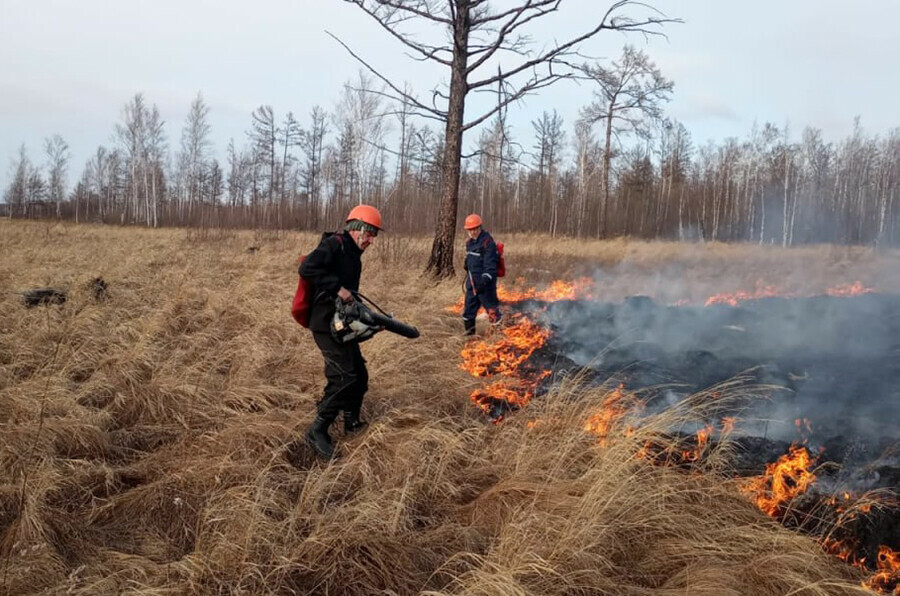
(483,39)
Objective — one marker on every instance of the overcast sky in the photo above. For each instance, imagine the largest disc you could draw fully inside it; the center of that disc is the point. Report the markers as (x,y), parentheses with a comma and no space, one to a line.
(68,67)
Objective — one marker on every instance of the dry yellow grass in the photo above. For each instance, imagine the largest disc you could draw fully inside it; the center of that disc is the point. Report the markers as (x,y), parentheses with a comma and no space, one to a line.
(148,443)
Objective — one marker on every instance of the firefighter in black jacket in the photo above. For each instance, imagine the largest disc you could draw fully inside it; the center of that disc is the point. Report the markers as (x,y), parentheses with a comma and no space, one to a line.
(334,269)
(482,259)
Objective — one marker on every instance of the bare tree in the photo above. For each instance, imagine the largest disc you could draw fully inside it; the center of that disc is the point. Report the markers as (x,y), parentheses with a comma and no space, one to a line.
(82,191)
(407,134)
(548,147)
(360,117)
(156,159)
(193,156)
(235,176)
(888,180)
(132,136)
(264,135)
(674,157)
(290,138)
(211,188)
(35,192)
(480,37)
(496,154)
(57,151)
(99,166)
(312,143)
(15,194)
(587,155)
(628,99)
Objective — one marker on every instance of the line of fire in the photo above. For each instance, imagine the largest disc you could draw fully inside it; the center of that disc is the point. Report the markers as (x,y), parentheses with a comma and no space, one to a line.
(801,391)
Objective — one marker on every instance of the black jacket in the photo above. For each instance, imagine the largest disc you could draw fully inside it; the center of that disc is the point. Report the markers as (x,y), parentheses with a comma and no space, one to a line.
(482,259)
(335,263)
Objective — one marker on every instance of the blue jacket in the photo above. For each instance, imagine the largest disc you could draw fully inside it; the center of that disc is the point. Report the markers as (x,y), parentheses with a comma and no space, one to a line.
(482,259)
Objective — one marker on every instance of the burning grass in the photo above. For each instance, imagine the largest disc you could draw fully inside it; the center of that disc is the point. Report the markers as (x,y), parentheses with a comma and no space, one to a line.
(148,444)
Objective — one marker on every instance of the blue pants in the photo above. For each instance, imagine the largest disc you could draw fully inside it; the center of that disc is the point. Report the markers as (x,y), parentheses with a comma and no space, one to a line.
(486,297)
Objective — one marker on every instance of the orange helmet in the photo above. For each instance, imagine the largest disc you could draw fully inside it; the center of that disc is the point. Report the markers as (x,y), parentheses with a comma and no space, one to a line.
(367,214)
(473,221)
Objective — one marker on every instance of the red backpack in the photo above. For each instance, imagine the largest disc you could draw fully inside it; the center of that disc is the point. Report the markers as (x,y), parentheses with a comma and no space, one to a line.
(501,264)
(303,297)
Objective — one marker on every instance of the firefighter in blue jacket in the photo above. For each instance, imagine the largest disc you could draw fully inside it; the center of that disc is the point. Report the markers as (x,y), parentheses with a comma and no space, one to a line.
(482,259)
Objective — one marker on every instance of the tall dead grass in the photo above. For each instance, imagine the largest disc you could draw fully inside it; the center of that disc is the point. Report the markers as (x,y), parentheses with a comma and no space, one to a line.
(149,443)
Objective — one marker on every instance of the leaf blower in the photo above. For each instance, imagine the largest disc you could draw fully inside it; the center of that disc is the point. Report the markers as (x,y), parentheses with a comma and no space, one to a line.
(354,321)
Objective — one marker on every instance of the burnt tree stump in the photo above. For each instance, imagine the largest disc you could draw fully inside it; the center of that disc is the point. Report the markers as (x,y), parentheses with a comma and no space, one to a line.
(43,296)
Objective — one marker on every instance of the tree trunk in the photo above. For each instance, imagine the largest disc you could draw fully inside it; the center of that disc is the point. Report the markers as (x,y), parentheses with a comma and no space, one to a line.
(440,264)
(604,182)
(787,183)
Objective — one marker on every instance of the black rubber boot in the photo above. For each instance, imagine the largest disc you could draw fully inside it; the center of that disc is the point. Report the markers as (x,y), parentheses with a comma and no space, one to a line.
(318,438)
(470,326)
(352,423)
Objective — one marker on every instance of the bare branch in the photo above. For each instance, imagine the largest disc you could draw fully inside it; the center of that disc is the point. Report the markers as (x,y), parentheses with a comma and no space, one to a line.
(425,12)
(431,55)
(414,112)
(536,82)
(436,112)
(390,25)
(516,12)
(395,153)
(513,24)
(563,50)
(514,160)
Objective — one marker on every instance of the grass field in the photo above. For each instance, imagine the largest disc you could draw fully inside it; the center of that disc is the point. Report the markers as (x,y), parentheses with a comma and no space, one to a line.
(148,443)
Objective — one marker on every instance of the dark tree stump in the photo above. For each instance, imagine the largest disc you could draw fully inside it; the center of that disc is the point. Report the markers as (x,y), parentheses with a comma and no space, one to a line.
(43,296)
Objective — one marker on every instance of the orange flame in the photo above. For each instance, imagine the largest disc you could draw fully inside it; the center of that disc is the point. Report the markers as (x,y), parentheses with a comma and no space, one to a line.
(772,492)
(514,394)
(734,298)
(505,356)
(692,455)
(782,481)
(557,290)
(843,551)
(581,289)
(616,404)
(845,290)
(520,339)
(769,291)
(887,578)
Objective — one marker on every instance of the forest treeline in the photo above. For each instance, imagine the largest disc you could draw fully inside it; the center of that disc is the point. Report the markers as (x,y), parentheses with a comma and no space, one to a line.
(615,171)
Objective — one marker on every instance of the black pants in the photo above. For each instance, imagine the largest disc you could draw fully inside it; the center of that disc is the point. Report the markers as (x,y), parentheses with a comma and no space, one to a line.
(348,379)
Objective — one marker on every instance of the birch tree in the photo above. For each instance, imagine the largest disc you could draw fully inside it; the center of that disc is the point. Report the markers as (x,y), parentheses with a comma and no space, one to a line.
(57,152)
(195,146)
(15,194)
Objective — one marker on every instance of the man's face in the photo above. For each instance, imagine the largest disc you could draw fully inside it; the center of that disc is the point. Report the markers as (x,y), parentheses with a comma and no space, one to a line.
(473,233)
(363,238)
